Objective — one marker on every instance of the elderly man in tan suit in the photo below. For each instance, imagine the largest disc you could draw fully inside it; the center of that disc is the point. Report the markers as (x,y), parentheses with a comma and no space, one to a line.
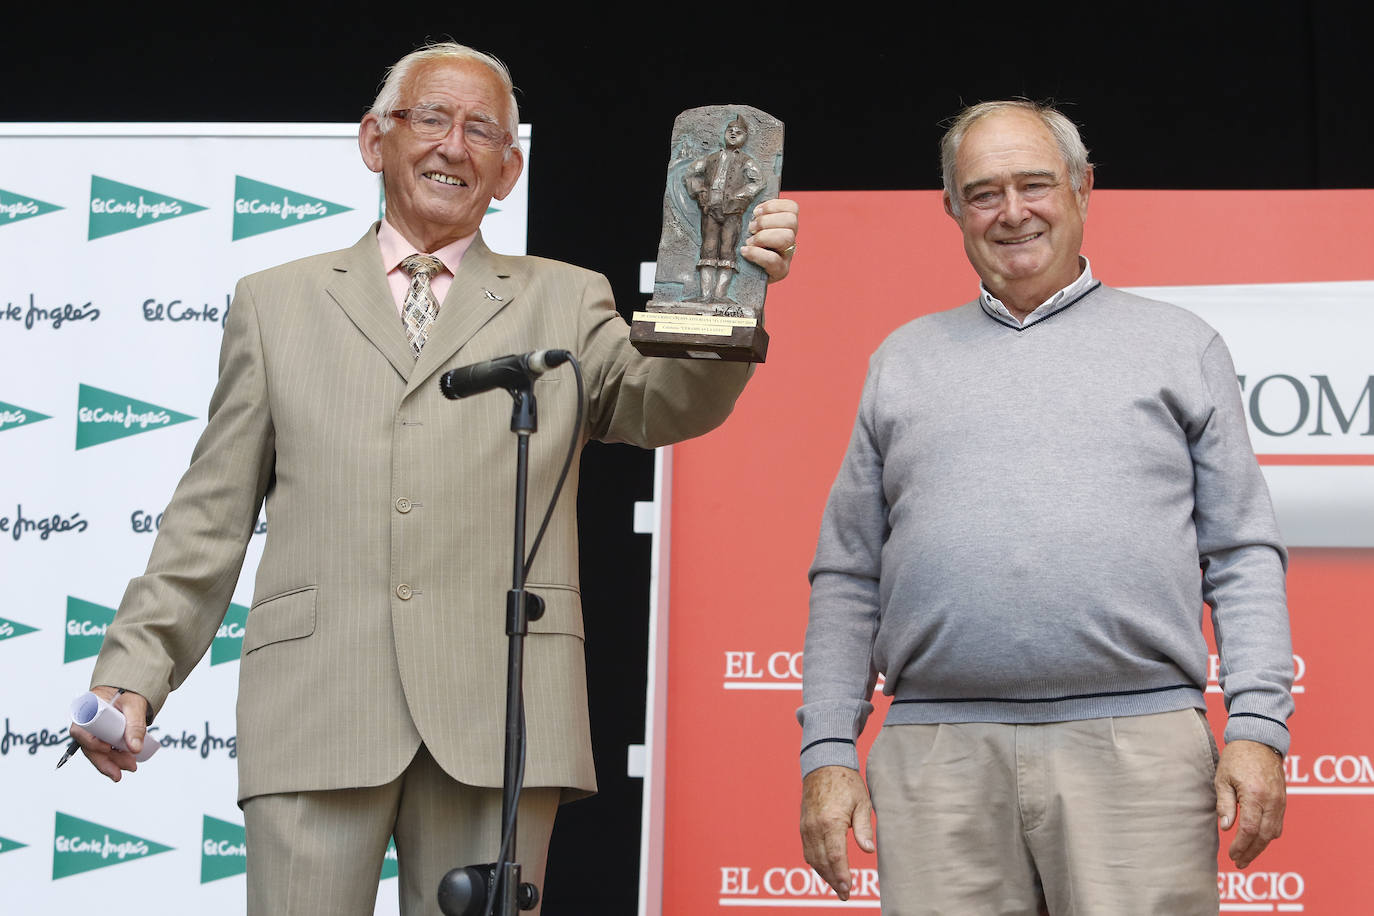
(372,683)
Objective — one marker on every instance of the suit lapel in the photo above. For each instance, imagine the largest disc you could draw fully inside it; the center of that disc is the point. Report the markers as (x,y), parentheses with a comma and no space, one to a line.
(359,287)
(482,287)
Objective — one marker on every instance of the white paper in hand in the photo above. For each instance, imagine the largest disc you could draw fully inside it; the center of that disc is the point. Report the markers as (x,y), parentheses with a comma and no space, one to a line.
(98,717)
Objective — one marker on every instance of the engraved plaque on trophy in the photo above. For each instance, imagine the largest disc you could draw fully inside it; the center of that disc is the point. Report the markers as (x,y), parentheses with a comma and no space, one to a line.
(708,300)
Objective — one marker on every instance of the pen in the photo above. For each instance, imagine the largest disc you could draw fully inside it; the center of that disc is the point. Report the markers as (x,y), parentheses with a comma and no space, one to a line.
(67,755)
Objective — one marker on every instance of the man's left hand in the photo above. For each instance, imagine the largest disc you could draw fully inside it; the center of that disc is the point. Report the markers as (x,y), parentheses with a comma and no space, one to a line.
(1250,778)
(772,237)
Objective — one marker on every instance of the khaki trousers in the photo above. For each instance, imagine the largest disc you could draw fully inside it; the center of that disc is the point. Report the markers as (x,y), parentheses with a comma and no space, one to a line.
(320,853)
(1108,816)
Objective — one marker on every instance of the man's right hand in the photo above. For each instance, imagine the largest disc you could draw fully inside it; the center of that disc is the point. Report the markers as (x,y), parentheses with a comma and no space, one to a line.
(834,800)
(105,758)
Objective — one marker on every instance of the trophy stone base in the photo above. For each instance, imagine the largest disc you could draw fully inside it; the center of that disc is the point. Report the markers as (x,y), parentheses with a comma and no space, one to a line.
(695,336)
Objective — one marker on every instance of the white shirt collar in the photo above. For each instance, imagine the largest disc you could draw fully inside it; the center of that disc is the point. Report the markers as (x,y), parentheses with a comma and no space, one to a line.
(994,305)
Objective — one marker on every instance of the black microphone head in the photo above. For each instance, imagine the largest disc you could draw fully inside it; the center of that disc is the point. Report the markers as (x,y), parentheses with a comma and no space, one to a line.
(446,388)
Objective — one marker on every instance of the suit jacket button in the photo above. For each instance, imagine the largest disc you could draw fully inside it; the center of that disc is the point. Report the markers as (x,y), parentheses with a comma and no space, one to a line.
(403,592)
(402,504)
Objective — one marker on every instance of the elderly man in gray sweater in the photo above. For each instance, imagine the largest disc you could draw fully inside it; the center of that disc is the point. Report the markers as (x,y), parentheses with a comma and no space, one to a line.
(1014,541)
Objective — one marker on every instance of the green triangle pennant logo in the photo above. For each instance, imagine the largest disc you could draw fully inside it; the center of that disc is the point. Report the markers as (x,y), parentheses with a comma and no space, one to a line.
(261,207)
(118,207)
(103,416)
(389,867)
(12,416)
(86,623)
(8,845)
(15,207)
(10,629)
(223,851)
(228,642)
(83,846)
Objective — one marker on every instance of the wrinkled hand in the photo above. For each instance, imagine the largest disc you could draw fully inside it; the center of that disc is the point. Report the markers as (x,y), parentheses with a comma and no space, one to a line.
(834,799)
(1250,777)
(103,757)
(772,237)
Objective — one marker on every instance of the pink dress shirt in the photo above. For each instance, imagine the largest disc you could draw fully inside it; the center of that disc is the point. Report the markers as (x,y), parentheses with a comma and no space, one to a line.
(396,249)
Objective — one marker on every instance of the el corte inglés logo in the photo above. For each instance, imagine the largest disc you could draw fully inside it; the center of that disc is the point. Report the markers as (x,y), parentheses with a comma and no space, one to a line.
(389,867)
(12,628)
(103,416)
(8,845)
(228,643)
(261,207)
(223,850)
(82,846)
(13,416)
(118,207)
(86,623)
(14,207)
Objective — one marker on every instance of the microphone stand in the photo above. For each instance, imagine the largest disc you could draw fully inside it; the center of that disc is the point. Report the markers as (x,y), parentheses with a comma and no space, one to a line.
(467,891)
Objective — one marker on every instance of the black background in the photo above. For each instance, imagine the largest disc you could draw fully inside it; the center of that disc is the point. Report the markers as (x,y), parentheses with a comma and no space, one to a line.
(1170,95)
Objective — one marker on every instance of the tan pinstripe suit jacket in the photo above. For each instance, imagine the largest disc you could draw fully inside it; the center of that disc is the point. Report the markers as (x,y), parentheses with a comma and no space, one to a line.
(373,481)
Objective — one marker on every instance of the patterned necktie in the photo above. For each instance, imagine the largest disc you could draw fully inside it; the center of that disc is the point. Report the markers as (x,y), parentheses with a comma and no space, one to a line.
(421,308)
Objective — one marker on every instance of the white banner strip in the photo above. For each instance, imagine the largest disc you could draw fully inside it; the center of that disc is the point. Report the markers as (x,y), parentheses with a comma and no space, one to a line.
(812,904)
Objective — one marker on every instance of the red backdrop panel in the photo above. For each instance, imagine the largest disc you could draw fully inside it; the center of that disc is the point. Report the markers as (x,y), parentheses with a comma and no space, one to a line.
(747,503)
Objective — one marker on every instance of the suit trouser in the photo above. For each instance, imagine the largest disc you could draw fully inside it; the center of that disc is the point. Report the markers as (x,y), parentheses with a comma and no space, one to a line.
(1110,816)
(320,853)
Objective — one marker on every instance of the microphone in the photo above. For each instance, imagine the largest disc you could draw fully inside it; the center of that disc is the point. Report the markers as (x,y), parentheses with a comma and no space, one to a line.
(509,372)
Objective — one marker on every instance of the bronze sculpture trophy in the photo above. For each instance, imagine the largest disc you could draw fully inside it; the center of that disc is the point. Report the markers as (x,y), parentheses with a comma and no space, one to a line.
(708,301)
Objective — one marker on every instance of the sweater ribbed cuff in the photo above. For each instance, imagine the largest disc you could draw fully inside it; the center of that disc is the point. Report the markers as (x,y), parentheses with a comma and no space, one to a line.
(1242,726)
(829,730)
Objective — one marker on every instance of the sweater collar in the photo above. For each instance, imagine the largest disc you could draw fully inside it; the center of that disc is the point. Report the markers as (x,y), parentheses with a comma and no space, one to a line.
(1062,299)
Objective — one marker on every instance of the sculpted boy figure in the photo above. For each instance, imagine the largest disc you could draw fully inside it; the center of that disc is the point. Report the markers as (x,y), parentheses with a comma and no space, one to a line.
(723,184)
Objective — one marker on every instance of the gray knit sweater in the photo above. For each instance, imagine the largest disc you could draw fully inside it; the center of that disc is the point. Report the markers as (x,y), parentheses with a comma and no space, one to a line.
(1016,531)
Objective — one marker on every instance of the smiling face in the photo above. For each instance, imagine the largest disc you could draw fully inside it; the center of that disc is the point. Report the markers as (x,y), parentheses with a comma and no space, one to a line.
(437,191)
(1021,218)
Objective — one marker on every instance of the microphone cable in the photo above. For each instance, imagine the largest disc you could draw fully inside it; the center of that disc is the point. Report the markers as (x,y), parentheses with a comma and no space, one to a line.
(567,464)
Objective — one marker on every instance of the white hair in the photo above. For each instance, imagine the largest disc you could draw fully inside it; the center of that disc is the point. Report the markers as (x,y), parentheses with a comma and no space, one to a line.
(389,96)
(1064,131)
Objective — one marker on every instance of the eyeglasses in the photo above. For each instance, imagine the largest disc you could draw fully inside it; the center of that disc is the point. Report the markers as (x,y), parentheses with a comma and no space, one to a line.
(432,124)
